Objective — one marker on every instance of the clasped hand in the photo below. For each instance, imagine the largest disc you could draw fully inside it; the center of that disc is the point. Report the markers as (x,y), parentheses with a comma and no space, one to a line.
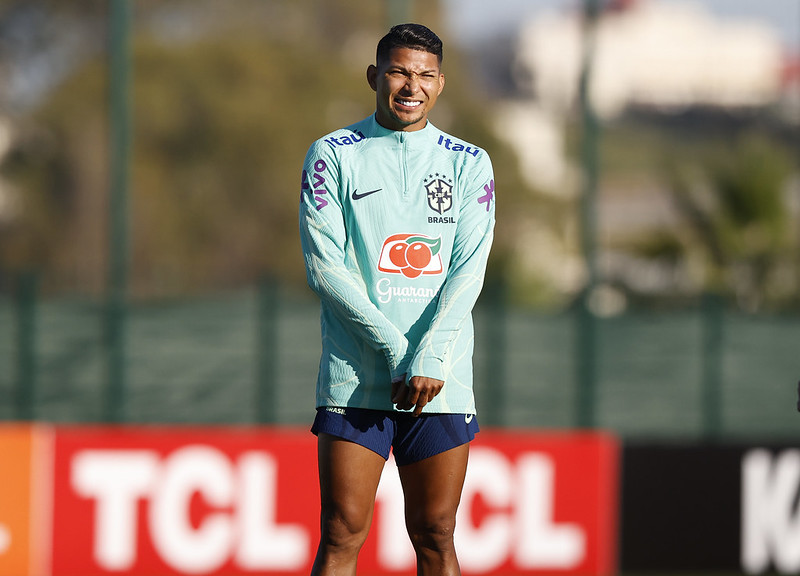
(416,394)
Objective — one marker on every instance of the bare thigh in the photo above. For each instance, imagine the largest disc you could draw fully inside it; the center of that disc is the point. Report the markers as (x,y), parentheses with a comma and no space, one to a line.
(348,477)
(432,489)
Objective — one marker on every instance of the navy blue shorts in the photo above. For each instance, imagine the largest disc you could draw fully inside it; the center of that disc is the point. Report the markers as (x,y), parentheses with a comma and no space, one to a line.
(412,438)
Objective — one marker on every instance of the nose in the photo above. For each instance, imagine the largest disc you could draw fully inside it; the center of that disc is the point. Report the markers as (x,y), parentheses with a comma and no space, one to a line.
(412,83)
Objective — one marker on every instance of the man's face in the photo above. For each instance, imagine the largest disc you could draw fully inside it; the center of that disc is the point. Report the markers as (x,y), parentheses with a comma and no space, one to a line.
(406,85)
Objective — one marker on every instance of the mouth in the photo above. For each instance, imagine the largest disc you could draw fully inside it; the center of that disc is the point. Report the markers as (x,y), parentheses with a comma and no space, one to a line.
(407,104)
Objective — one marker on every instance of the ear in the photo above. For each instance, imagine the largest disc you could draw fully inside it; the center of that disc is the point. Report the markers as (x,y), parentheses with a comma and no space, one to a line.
(372,77)
(441,83)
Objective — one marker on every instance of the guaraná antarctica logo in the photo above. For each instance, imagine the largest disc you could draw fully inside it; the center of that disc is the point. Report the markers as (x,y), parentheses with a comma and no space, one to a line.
(411,255)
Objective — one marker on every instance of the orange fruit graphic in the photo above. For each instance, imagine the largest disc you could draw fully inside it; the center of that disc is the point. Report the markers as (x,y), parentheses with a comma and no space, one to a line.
(397,254)
(418,255)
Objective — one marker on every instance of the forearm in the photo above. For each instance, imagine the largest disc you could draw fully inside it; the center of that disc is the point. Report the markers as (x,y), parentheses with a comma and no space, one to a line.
(338,289)
(456,301)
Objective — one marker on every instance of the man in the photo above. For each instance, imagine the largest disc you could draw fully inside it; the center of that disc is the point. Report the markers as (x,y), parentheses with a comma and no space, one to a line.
(396,222)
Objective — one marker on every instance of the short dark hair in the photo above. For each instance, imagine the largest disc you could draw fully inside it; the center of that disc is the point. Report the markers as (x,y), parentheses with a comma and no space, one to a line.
(414,36)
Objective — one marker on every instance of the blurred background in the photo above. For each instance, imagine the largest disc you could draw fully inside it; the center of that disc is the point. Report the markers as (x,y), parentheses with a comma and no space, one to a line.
(646,272)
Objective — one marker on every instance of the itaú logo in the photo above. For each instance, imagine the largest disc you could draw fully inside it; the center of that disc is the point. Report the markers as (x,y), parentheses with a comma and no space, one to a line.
(411,255)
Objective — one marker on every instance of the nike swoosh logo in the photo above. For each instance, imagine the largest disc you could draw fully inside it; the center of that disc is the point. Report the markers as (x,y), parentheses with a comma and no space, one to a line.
(468,418)
(356,196)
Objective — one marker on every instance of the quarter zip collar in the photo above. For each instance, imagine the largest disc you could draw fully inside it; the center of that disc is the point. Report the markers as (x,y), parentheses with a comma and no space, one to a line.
(405,144)
(403,136)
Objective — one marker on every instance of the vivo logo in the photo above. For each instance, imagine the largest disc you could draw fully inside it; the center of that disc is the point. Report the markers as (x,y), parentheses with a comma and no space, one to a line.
(318,184)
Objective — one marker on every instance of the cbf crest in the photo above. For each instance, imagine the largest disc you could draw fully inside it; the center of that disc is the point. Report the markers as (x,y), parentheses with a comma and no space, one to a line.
(440,193)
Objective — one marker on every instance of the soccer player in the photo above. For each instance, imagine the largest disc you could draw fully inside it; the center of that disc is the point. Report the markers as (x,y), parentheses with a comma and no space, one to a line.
(396,223)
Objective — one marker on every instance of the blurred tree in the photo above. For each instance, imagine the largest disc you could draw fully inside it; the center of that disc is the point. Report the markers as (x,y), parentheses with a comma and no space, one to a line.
(226,102)
(734,204)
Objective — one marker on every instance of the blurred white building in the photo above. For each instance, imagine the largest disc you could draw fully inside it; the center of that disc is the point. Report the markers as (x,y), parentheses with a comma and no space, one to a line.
(668,55)
(663,55)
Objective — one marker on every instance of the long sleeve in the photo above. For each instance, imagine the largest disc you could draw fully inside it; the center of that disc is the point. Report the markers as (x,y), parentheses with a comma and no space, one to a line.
(464,279)
(330,274)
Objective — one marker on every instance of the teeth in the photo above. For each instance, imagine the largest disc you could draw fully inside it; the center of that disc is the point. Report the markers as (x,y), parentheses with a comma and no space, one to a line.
(409,103)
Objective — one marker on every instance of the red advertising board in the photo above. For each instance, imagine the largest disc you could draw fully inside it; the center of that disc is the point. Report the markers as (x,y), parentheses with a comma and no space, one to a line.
(245,501)
(532,503)
(183,501)
(241,501)
(173,501)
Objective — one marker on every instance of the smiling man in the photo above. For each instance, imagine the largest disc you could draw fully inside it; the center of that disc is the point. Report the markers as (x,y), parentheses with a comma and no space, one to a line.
(396,223)
(407,83)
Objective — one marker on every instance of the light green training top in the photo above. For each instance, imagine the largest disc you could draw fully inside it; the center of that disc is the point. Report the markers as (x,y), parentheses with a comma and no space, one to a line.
(396,229)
